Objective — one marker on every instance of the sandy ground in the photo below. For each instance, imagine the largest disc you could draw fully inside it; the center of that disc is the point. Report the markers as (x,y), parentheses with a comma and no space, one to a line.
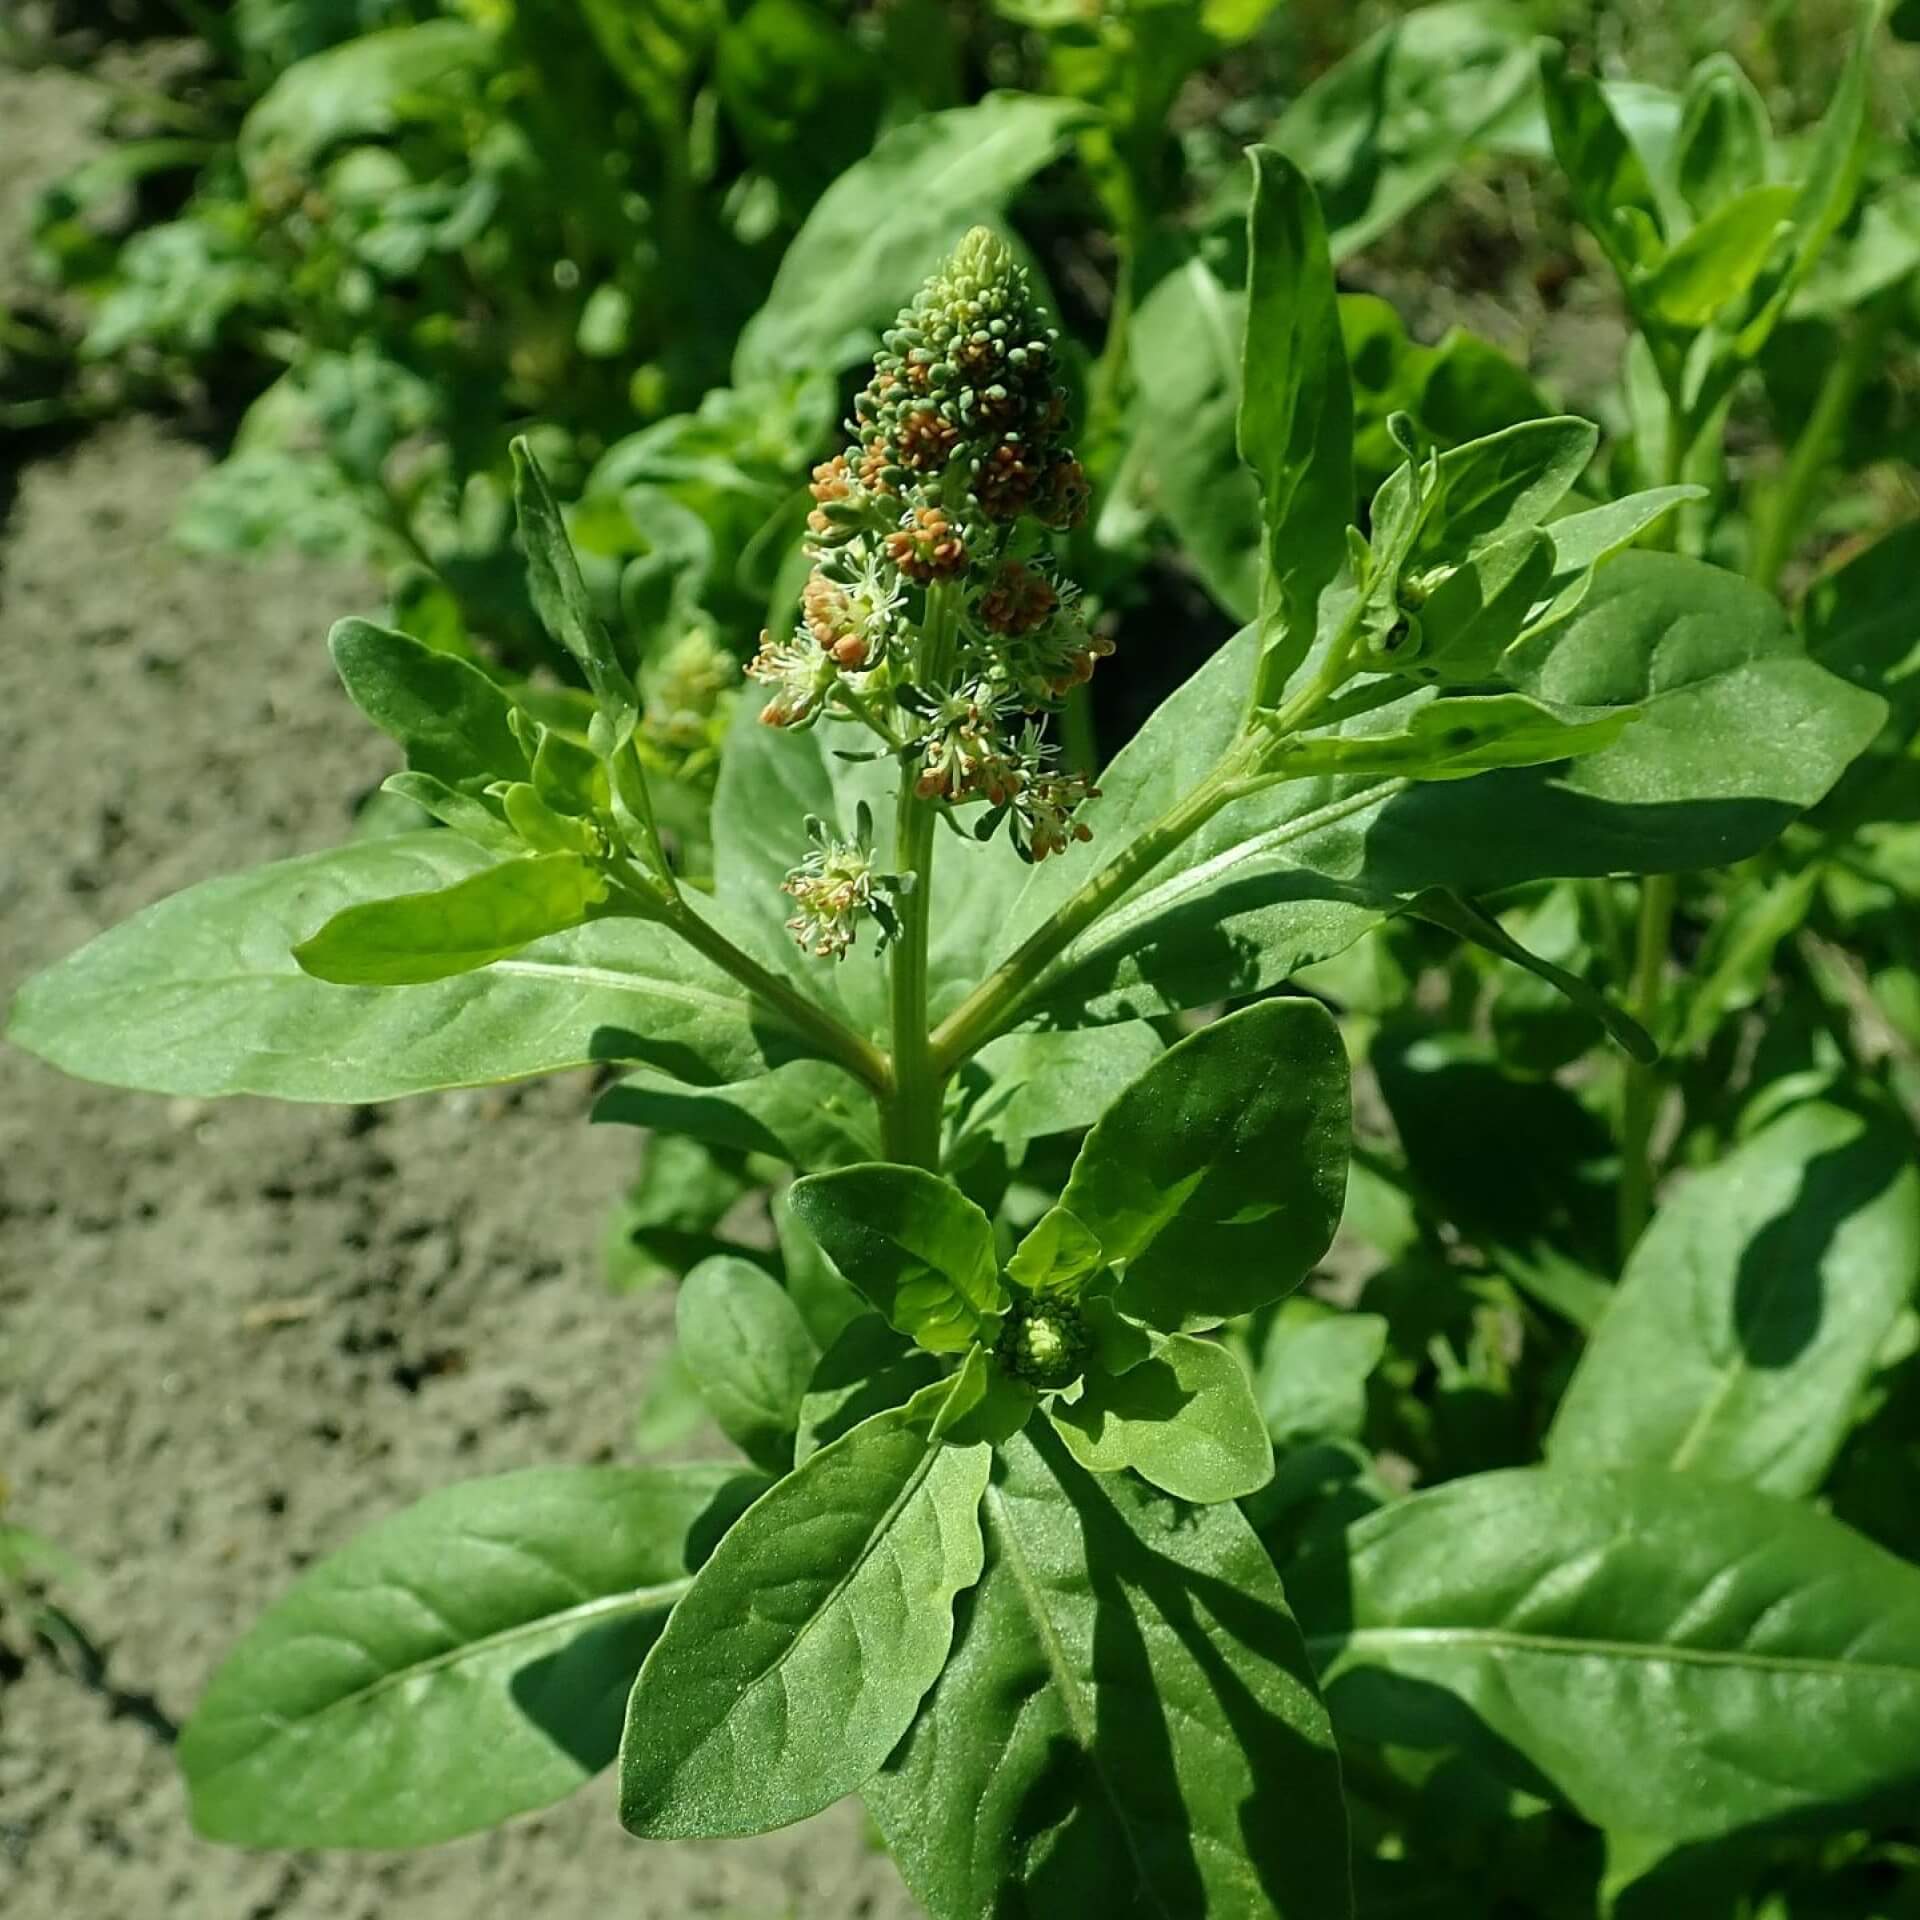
(232,1334)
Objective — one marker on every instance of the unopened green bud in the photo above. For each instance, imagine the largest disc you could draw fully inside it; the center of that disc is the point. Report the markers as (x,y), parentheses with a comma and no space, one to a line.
(1043,1342)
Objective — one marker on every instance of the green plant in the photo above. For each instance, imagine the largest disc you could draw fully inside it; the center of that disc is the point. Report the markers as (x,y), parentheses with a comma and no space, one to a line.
(1015,1400)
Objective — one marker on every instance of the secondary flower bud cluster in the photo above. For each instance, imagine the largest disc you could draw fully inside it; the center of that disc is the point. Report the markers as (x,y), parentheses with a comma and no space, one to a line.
(957,469)
(836,887)
(1043,1342)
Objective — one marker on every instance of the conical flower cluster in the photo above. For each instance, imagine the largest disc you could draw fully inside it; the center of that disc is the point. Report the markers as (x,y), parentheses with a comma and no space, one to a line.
(957,471)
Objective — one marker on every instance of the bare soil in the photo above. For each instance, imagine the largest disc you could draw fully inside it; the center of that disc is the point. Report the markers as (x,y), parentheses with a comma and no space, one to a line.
(232,1334)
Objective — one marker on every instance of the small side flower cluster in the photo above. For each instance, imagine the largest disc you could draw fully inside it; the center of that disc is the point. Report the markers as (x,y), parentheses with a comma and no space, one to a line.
(957,472)
(836,887)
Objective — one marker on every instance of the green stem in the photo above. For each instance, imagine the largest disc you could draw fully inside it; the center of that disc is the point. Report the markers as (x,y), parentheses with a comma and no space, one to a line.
(1783,515)
(1640,1084)
(1079,748)
(835,1040)
(996,1003)
(910,1117)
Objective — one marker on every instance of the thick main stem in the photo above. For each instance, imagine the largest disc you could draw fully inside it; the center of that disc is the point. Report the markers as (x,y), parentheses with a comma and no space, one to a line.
(910,1116)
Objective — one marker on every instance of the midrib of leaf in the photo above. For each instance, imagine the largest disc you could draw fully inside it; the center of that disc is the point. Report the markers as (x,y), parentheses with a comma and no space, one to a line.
(625,982)
(1158,898)
(571,971)
(606,1606)
(1325,1646)
(778,1664)
(1073,1700)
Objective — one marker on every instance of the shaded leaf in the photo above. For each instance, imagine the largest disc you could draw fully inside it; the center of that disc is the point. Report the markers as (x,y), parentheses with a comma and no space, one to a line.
(887,222)
(1127,1719)
(750,1355)
(1753,1311)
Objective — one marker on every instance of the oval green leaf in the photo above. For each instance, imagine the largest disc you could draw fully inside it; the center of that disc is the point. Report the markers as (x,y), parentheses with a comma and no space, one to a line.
(417,937)
(457,1664)
(201,995)
(797,1660)
(916,1246)
(1669,1652)
(1218,1177)
(1184,1418)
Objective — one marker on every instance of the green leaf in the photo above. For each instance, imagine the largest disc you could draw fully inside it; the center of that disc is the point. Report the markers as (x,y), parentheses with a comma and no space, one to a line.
(1390,123)
(365,87)
(1504,483)
(1455,738)
(1295,427)
(1313,1371)
(867,1369)
(1606,179)
(669,1217)
(1861,623)
(1753,1312)
(1185,345)
(1050,1083)
(1581,541)
(917,1247)
(1826,193)
(1473,923)
(797,1660)
(201,995)
(808,1113)
(982,1403)
(1059,1255)
(1477,612)
(1738,733)
(1529,1182)
(884,225)
(453,722)
(1217,1178)
(1721,151)
(459,1663)
(1718,261)
(1184,1418)
(1128,1719)
(559,593)
(750,1355)
(470,818)
(1656,1645)
(417,937)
